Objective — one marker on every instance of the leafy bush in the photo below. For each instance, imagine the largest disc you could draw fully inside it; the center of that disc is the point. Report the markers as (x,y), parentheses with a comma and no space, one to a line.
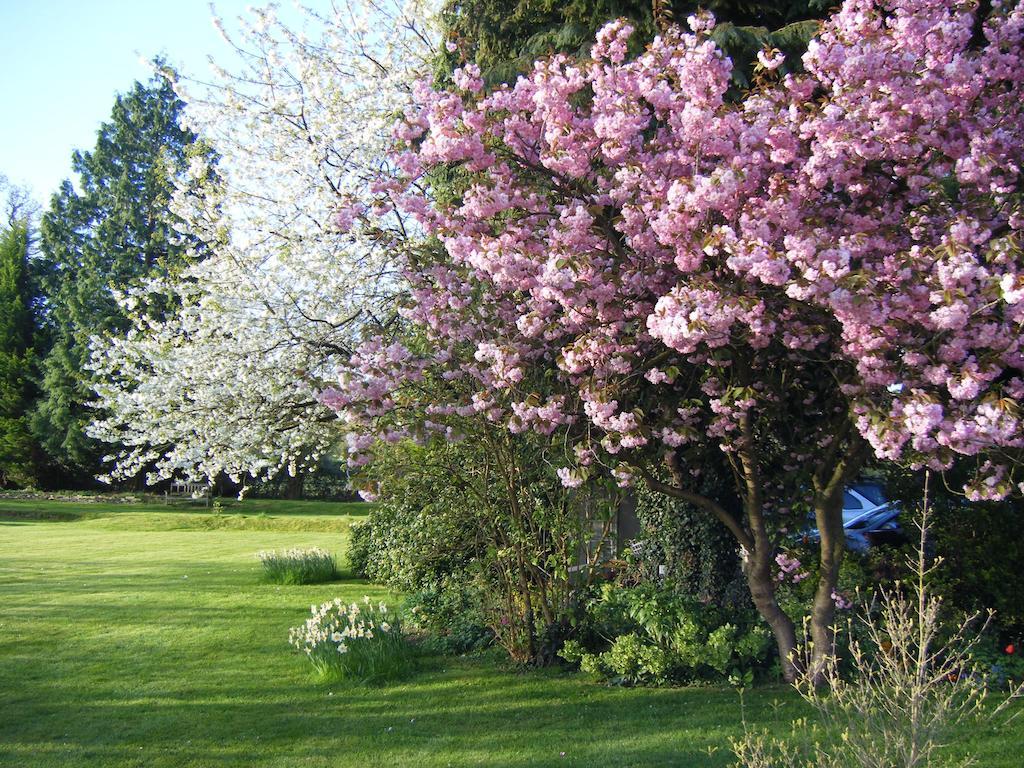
(359,549)
(424,527)
(981,544)
(298,566)
(444,519)
(631,660)
(698,554)
(654,636)
(451,615)
(982,548)
(362,643)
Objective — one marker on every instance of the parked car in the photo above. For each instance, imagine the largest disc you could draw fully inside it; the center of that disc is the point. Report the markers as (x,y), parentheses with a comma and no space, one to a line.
(869,519)
(881,526)
(862,499)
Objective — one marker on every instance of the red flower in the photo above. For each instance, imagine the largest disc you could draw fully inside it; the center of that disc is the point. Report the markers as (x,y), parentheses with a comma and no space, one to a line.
(1010,648)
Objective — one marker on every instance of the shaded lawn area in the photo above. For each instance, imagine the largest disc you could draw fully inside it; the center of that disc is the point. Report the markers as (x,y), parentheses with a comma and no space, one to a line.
(249,515)
(127,641)
(260,513)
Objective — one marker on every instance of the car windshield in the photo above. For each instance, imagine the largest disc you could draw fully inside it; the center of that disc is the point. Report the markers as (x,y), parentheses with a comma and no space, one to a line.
(871,492)
(851,503)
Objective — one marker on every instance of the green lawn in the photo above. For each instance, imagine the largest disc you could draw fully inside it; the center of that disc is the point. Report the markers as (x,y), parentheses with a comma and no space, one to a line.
(139,636)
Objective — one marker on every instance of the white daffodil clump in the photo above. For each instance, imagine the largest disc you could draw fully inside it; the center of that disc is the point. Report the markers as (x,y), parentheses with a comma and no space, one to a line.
(353,641)
(298,566)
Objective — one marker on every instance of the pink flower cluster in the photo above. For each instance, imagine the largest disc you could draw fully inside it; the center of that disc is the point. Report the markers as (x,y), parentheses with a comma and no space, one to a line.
(790,569)
(842,246)
(841,601)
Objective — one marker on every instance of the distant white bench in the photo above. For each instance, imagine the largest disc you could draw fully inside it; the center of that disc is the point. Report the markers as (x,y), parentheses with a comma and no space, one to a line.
(181,490)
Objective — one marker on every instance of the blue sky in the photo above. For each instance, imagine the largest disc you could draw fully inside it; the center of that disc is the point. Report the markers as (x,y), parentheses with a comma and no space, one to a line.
(63,62)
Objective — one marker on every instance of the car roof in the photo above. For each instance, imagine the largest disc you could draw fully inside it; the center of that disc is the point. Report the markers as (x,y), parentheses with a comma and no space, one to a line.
(880,514)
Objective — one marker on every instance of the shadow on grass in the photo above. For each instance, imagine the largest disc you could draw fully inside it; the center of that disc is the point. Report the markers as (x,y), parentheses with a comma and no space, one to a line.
(454,713)
(145,668)
(247,507)
(78,576)
(8,516)
(265,515)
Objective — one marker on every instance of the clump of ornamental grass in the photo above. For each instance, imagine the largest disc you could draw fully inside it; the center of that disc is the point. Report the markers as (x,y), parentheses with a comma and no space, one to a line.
(914,684)
(356,642)
(298,566)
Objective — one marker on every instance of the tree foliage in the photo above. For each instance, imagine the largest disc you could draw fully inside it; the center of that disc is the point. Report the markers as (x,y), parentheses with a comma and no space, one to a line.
(505,39)
(17,358)
(300,124)
(108,231)
(824,272)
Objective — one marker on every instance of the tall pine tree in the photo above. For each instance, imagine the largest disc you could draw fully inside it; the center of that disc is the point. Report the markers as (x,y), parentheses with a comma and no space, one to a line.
(16,355)
(110,230)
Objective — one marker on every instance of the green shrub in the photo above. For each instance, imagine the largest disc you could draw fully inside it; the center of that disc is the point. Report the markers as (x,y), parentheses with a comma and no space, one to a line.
(443,518)
(298,566)
(425,526)
(651,635)
(451,616)
(698,554)
(631,660)
(359,548)
(361,643)
(981,545)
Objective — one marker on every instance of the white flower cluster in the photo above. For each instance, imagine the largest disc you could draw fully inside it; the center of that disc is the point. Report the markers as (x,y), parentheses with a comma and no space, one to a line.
(334,625)
(295,554)
(298,566)
(285,265)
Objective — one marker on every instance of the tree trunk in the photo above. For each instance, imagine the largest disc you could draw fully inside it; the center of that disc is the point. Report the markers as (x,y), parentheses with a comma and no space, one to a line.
(756,543)
(762,591)
(828,510)
(761,555)
(294,486)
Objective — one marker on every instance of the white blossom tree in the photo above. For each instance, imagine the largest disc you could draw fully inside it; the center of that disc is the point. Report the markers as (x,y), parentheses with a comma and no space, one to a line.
(293,258)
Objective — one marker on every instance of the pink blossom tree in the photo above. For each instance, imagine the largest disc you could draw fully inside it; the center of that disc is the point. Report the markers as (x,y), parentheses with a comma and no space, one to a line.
(825,274)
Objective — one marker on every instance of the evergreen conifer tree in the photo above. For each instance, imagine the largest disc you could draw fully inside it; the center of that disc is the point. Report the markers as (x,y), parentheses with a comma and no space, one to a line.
(16,355)
(112,229)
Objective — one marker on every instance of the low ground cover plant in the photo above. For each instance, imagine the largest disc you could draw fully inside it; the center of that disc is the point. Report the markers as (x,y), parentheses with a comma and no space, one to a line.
(1002,663)
(652,635)
(357,642)
(298,566)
